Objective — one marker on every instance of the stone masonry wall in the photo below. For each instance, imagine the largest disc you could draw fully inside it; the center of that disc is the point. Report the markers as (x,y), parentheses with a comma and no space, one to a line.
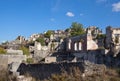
(44,71)
(8,59)
(3,62)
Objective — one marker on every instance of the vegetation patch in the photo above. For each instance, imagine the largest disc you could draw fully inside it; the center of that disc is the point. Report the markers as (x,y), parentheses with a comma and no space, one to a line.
(2,51)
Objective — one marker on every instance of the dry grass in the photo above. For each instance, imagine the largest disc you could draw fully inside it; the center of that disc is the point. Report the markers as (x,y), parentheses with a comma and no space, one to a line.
(76,75)
(3,74)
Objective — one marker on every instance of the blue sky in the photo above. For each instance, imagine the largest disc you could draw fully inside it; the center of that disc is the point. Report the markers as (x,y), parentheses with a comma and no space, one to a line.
(26,17)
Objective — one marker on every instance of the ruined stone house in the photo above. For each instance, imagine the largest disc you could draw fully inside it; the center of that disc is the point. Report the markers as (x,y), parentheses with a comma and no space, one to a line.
(113,39)
(33,37)
(20,39)
(12,60)
(94,31)
(112,36)
(81,43)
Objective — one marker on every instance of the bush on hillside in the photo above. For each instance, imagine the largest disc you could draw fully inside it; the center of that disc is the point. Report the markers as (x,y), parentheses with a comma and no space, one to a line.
(2,51)
(25,50)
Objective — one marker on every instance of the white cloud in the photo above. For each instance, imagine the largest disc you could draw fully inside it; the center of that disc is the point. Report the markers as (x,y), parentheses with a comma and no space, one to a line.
(116,7)
(70,14)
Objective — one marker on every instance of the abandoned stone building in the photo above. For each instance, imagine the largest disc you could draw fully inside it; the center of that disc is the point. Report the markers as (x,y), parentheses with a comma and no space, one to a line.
(12,60)
(11,45)
(81,43)
(40,52)
(94,31)
(69,45)
(33,37)
(113,39)
(15,44)
(54,44)
(20,40)
(61,34)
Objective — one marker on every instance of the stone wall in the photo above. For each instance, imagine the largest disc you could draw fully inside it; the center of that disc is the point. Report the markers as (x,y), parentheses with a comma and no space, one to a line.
(16,58)
(11,51)
(3,62)
(44,71)
(50,59)
(113,40)
(8,59)
(111,34)
(99,57)
(40,55)
(92,56)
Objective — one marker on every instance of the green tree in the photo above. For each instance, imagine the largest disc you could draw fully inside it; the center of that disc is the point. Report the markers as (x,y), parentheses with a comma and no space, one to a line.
(77,29)
(41,40)
(48,34)
(67,30)
(25,50)
(2,51)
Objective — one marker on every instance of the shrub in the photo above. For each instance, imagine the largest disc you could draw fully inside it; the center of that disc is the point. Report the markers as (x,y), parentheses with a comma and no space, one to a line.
(25,50)
(29,60)
(41,40)
(48,34)
(2,51)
